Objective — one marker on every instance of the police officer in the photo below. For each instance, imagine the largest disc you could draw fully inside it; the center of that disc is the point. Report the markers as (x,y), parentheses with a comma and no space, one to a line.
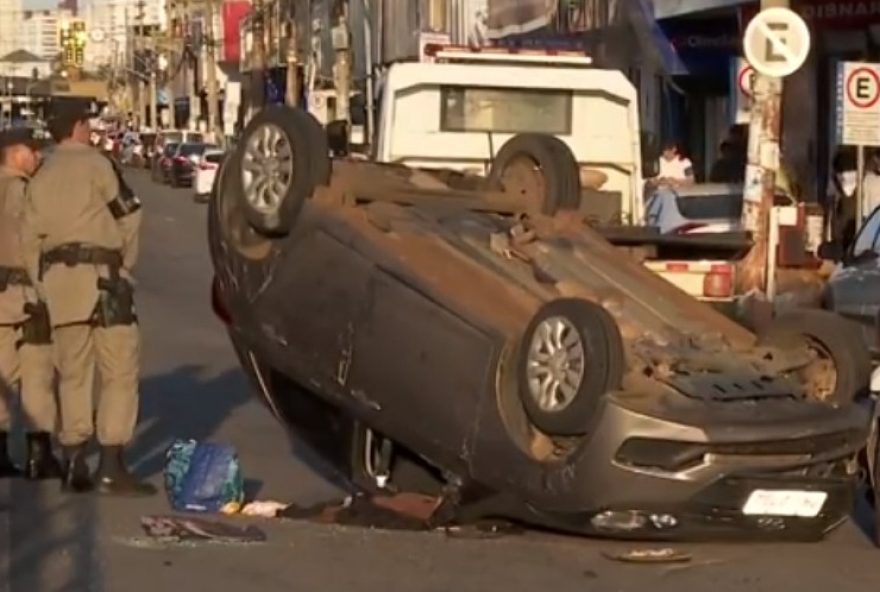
(80,238)
(25,335)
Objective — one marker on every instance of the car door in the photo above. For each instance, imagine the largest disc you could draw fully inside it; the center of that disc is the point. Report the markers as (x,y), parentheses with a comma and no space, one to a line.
(854,287)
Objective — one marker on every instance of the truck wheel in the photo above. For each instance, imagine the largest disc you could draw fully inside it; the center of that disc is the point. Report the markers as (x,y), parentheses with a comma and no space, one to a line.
(541,166)
(841,369)
(282,157)
(571,355)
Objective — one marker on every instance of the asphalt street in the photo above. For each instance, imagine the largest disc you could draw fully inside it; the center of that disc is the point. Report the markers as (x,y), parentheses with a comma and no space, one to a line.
(192,388)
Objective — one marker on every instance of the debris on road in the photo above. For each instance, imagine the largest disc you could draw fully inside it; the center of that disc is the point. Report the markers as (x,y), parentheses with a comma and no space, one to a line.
(665,555)
(263,509)
(404,511)
(174,529)
(203,477)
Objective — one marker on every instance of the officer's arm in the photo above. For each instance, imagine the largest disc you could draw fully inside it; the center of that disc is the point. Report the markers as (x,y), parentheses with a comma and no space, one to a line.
(32,234)
(125,208)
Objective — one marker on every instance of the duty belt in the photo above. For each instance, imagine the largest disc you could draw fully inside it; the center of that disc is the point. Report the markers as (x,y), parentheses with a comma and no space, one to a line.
(79,254)
(13,276)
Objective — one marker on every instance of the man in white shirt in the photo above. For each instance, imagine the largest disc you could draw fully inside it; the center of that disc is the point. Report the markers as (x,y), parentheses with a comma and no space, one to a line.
(675,168)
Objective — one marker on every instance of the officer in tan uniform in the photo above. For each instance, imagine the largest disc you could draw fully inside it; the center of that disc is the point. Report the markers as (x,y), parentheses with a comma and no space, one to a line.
(80,240)
(25,336)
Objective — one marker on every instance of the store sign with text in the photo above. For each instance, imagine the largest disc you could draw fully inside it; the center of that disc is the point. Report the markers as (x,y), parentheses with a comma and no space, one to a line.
(834,14)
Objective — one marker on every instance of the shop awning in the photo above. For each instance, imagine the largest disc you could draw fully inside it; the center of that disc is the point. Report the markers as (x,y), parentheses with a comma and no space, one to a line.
(664,9)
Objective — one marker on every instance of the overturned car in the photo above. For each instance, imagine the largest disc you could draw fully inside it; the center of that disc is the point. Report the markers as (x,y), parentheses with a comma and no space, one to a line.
(475,338)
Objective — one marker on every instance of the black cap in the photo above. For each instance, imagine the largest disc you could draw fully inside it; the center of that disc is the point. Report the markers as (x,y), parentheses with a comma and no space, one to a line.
(19,136)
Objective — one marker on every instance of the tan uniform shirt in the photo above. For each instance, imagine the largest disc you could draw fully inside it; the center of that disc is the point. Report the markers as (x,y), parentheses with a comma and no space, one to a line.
(68,204)
(12,201)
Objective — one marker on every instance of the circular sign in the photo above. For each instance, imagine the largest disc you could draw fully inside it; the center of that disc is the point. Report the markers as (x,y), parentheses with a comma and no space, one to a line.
(777,42)
(746,80)
(863,87)
(97,35)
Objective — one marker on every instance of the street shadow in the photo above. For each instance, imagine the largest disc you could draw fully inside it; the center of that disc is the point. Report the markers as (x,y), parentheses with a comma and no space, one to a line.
(52,539)
(182,404)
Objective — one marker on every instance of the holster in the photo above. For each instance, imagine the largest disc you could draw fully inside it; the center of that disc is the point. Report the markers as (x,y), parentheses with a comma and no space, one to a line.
(13,276)
(115,303)
(37,329)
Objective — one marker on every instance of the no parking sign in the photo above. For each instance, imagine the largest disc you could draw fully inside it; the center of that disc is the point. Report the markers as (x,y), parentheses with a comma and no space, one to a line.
(858,104)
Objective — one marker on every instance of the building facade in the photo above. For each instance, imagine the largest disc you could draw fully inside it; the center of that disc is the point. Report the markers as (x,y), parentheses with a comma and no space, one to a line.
(109,25)
(10,24)
(40,31)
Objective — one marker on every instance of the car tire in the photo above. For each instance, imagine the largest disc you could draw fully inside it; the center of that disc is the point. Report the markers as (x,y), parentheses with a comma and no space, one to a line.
(310,166)
(836,338)
(595,355)
(556,163)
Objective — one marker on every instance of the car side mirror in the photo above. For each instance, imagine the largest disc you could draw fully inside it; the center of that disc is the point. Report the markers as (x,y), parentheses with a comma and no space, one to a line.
(830,251)
(650,155)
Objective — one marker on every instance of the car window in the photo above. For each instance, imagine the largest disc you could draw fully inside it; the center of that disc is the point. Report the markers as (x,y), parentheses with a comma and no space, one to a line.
(710,207)
(170,149)
(190,149)
(214,157)
(867,240)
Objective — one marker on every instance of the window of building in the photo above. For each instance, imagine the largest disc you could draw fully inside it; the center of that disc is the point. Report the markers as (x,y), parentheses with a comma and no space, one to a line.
(505,110)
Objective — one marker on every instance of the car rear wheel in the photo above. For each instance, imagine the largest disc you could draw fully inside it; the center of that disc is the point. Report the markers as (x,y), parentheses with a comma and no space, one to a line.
(570,356)
(282,157)
(840,369)
(540,167)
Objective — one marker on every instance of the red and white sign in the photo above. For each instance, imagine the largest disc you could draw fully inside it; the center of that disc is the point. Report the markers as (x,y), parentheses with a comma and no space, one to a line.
(743,84)
(858,104)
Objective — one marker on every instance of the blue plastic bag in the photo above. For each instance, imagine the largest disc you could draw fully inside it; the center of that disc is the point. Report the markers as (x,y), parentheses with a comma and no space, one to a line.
(203,477)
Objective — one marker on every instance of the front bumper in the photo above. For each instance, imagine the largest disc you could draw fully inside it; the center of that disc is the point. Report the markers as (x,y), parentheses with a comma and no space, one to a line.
(713,513)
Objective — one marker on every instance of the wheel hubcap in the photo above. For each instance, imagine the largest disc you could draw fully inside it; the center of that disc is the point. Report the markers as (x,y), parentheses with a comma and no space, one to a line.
(555,364)
(267,168)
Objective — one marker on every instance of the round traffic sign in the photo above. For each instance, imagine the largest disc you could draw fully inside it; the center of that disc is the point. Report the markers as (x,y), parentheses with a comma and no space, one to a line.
(746,80)
(863,87)
(777,42)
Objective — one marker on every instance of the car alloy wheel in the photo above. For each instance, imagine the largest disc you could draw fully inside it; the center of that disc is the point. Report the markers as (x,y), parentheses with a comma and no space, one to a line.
(556,362)
(267,168)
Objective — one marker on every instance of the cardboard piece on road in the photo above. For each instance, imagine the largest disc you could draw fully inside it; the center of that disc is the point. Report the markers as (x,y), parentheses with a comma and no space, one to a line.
(858,104)
(777,42)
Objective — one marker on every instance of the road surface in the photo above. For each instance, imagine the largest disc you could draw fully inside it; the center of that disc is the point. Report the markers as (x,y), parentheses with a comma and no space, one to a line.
(192,388)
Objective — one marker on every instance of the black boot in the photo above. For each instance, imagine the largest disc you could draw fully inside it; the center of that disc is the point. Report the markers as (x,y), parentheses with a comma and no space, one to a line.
(114,479)
(76,470)
(7,467)
(41,463)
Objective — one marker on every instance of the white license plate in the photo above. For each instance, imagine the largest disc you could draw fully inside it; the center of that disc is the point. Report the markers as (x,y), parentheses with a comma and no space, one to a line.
(779,502)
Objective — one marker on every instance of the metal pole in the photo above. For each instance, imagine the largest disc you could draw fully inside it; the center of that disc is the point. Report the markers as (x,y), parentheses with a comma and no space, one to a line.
(370,102)
(763,163)
(860,187)
(215,133)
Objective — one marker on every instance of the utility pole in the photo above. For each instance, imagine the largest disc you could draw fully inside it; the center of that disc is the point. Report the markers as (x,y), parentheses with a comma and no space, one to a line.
(763,164)
(171,43)
(211,71)
(292,89)
(257,90)
(154,107)
(341,37)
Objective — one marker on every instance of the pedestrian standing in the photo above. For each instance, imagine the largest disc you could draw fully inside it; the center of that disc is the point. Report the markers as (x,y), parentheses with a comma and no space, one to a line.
(26,365)
(80,236)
